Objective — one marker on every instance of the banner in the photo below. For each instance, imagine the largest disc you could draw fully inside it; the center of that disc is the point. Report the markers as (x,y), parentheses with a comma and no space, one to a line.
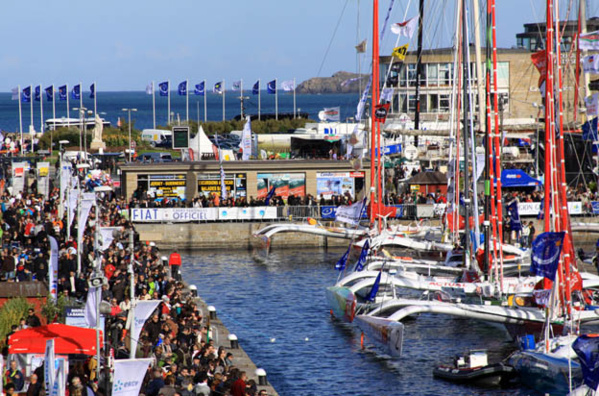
(129,375)
(87,202)
(590,64)
(546,250)
(246,140)
(43,179)
(107,234)
(589,41)
(142,311)
(182,215)
(91,319)
(49,369)
(533,208)
(400,53)
(72,205)
(58,387)
(592,105)
(53,267)
(351,214)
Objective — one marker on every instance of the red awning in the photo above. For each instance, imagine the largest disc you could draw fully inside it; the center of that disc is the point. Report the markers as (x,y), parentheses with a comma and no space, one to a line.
(67,340)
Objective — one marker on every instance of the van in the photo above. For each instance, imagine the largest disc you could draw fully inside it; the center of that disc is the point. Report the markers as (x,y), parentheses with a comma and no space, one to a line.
(155,157)
(155,136)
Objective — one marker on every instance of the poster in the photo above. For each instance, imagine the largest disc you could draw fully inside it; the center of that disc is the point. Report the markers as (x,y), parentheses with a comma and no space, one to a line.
(285,184)
(172,186)
(236,185)
(336,183)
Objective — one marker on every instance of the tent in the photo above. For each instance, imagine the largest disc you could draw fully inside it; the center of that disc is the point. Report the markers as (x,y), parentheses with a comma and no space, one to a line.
(518,178)
(67,340)
(202,147)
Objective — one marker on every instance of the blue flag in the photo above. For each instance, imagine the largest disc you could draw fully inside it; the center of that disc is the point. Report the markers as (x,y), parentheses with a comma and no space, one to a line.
(586,347)
(589,130)
(546,250)
(163,88)
(200,89)
(343,260)
(271,193)
(515,224)
(76,92)
(62,93)
(26,95)
(271,87)
(50,93)
(38,93)
(256,88)
(92,91)
(183,88)
(541,214)
(375,288)
(363,255)
(218,88)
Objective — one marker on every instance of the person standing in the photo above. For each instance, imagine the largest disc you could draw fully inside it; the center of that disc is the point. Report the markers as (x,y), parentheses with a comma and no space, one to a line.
(14,376)
(174,261)
(238,388)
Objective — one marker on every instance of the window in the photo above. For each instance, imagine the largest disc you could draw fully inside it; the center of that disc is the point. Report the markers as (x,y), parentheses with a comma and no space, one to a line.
(444,103)
(445,71)
(433,101)
(412,75)
(432,74)
(503,74)
(412,103)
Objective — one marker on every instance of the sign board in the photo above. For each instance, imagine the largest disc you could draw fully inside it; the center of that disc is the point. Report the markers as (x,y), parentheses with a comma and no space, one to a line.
(183,215)
(180,137)
(415,187)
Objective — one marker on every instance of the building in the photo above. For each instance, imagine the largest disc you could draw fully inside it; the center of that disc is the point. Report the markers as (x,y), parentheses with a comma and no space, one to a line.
(533,37)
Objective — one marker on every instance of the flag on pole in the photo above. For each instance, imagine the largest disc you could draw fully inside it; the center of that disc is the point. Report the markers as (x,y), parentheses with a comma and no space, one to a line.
(331,114)
(62,93)
(163,86)
(76,92)
(223,188)
(38,93)
(512,208)
(90,307)
(361,48)
(92,91)
(592,104)
(590,64)
(50,93)
(351,214)
(589,41)
(288,85)
(269,196)
(363,256)
(375,288)
(406,28)
(14,93)
(246,139)
(340,265)
(26,96)
(129,375)
(399,53)
(150,89)
(200,89)
(236,86)
(256,88)
(183,88)
(271,87)
(546,250)
(218,88)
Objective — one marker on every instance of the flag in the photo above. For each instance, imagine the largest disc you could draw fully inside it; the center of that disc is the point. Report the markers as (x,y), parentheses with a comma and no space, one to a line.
(90,307)
(592,104)
(541,214)
(515,224)
(49,367)
(340,265)
(590,64)
(331,114)
(92,91)
(380,112)
(223,188)
(400,52)
(150,89)
(539,59)
(256,88)
(589,41)
(26,95)
(76,92)
(361,48)
(236,86)
(183,88)
(363,255)
(350,80)
(288,85)
(350,214)
(546,249)
(50,93)
(14,94)
(586,347)
(143,310)
(271,87)
(163,87)
(199,89)
(387,94)
(129,376)
(38,93)
(62,93)
(375,287)
(218,88)
(406,28)
(269,196)
(246,140)
(589,130)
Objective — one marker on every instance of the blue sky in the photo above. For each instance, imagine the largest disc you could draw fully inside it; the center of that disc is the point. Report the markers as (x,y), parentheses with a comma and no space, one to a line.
(125,44)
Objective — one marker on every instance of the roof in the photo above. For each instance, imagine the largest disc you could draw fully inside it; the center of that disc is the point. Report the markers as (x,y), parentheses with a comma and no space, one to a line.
(68,340)
(429,178)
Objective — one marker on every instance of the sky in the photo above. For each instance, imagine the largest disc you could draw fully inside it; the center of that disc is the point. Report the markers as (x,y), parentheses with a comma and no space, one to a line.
(123,45)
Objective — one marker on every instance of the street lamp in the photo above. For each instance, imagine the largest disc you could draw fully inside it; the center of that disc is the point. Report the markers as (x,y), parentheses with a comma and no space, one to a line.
(61,202)
(81,168)
(129,111)
(82,113)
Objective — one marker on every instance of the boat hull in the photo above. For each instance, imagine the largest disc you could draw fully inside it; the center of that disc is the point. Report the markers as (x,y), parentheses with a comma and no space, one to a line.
(342,302)
(489,376)
(385,334)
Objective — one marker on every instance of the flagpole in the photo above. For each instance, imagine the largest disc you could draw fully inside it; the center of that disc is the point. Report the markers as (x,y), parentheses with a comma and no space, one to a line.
(168,95)
(205,106)
(68,110)
(258,99)
(95,98)
(153,106)
(53,106)
(80,96)
(20,117)
(294,108)
(241,98)
(187,100)
(224,91)
(31,106)
(41,110)
(276,101)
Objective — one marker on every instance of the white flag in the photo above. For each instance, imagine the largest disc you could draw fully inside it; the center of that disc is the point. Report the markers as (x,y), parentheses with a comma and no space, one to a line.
(350,214)
(592,104)
(590,64)
(589,41)
(129,375)
(87,202)
(142,310)
(49,369)
(53,270)
(288,85)
(14,94)
(90,307)
(150,88)
(236,86)
(387,94)
(246,140)
(107,234)
(223,188)
(406,28)
(331,114)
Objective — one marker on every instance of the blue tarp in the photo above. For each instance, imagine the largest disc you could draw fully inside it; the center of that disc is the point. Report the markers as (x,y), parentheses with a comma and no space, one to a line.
(518,178)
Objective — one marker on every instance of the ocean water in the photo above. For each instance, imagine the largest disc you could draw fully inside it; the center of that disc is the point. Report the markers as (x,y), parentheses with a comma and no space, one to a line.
(110,105)
(278,310)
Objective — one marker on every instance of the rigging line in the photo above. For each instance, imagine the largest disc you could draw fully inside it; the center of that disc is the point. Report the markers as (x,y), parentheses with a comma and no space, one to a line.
(332,38)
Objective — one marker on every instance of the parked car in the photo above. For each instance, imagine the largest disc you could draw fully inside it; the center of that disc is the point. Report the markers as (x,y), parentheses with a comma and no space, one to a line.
(155,157)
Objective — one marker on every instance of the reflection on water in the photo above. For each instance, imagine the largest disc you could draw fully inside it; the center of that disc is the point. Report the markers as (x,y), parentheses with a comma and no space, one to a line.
(277,308)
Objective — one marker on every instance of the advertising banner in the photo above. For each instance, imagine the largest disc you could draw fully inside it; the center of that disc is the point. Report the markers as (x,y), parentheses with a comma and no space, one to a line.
(285,184)
(171,186)
(183,215)
(129,375)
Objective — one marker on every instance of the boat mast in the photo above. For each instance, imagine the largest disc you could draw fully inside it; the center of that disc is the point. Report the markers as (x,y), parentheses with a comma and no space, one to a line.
(418,67)
(488,151)
(373,129)
(466,133)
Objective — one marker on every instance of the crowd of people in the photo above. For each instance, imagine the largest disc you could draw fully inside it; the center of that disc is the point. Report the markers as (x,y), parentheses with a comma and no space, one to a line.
(186,360)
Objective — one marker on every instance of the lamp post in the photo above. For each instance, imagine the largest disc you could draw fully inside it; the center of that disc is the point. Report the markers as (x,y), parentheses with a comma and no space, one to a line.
(61,202)
(82,111)
(82,168)
(129,122)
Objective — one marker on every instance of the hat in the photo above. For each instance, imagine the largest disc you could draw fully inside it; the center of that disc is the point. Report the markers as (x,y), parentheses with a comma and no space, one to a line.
(152,244)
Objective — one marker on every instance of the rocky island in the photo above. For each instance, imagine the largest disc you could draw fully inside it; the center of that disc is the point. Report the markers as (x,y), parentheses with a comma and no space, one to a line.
(340,82)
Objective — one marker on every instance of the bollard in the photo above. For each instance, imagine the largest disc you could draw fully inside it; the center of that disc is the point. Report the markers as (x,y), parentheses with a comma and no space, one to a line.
(234,341)
(194,290)
(212,312)
(261,374)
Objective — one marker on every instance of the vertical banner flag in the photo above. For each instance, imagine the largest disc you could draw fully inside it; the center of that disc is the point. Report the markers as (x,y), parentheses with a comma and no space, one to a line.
(350,214)
(236,86)
(14,94)
(246,139)
(592,104)
(183,88)
(143,310)
(86,204)
(200,89)
(589,41)
(218,88)
(50,93)
(49,368)
(340,265)
(53,270)
(26,96)
(546,249)
(375,288)
(271,87)
(76,92)
(163,86)
(59,382)
(129,375)
(512,208)
(150,89)
(539,59)
(256,88)
(62,93)
(288,85)
(380,112)
(92,91)
(363,256)
(406,28)
(269,196)
(38,93)
(223,188)
(89,313)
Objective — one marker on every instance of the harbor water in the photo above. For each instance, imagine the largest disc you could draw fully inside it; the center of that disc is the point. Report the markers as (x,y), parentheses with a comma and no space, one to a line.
(277,308)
